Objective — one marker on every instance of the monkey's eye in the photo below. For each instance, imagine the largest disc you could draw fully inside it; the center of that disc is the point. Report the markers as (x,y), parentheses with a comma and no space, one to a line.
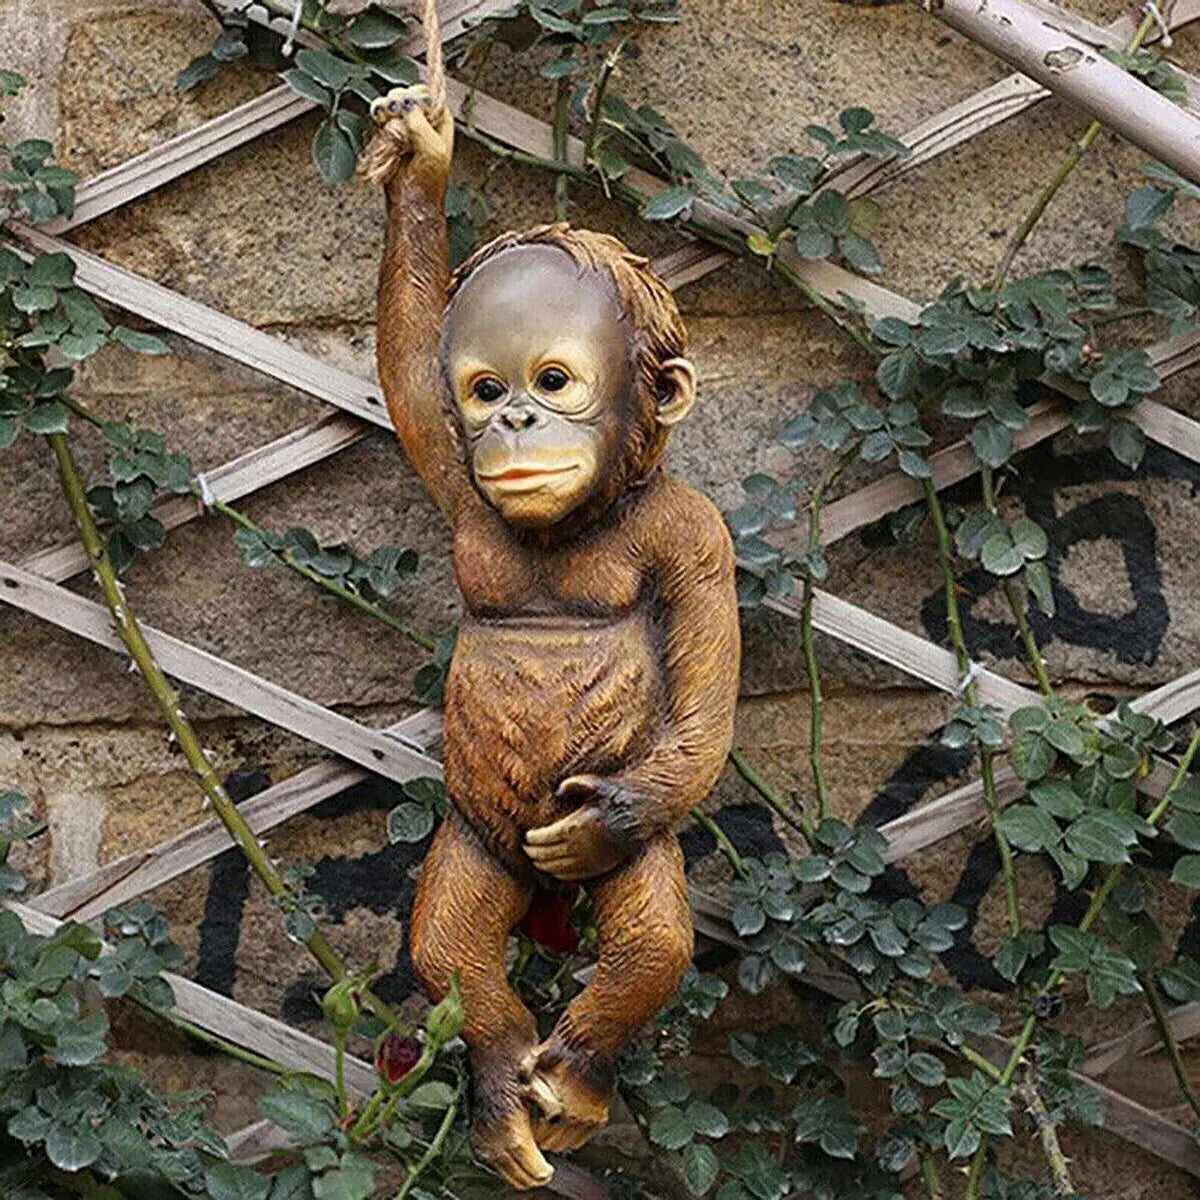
(487,390)
(553,379)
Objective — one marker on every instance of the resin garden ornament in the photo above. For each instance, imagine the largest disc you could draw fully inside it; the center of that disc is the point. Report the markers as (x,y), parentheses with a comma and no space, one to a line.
(591,696)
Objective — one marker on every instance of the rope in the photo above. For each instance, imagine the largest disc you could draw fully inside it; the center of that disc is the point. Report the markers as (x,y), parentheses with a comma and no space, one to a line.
(435,66)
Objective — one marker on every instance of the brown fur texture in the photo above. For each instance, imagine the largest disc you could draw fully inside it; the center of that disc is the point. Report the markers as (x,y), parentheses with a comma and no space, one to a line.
(590,699)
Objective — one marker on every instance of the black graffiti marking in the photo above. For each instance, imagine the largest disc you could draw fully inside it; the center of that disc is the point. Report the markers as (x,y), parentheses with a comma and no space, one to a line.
(381,882)
(970,967)
(228,886)
(1133,637)
(748,826)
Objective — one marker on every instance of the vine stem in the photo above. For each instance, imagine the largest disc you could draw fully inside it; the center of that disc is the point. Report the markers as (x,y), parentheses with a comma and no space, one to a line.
(606,70)
(723,843)
(975,1174)
(1012,902)
(1094,909)
(431,1151)
(1069,163)
(1032,649)
(1047,1132)
(562,187)
(1163,1023)
(933,1182)
(750,773)
(363,605)
(286,557)
(130,633)
(816,700)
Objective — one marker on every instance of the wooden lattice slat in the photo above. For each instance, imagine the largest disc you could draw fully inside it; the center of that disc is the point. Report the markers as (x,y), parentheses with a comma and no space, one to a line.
(370,748)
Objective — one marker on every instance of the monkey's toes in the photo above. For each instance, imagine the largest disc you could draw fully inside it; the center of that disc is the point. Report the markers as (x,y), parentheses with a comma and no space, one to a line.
(508,1147)
(559,1136)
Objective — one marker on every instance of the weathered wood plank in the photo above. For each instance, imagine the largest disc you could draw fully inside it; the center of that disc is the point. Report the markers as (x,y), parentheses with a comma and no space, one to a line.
(269,463)
(90,895)
(370,748)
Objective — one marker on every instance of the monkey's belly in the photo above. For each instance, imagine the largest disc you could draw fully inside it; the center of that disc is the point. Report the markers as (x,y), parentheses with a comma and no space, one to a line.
(530,702)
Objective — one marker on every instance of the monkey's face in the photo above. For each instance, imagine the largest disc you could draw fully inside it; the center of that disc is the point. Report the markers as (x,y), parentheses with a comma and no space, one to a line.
(542,372)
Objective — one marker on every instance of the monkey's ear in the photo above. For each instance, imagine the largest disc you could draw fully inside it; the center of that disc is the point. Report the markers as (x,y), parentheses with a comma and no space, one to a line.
(676,390)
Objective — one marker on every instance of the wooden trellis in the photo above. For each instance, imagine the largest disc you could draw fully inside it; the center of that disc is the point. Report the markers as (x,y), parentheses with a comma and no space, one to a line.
(407,749)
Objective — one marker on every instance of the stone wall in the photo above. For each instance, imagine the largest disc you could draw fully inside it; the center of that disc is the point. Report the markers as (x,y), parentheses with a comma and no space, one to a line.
(257,235)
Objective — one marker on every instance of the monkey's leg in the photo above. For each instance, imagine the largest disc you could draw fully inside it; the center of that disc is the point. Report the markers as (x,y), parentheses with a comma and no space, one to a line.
(646,944)
(466,905)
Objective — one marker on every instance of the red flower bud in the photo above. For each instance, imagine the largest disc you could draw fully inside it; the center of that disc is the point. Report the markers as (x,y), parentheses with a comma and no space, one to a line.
(548,921)
(395,1056)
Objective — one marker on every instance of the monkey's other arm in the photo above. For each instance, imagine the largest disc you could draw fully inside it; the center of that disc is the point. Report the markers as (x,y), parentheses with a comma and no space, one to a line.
(413,277)
(693,568)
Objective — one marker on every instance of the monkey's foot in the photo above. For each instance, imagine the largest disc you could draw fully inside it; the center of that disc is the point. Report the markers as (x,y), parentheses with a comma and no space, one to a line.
(568,1106)
(508,1146)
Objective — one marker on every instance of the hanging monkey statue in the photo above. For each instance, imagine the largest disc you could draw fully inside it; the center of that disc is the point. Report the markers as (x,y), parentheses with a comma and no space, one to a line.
(591,696)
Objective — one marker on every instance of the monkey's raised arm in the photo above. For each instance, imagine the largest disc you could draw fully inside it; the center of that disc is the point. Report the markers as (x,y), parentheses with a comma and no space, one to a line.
(413,278)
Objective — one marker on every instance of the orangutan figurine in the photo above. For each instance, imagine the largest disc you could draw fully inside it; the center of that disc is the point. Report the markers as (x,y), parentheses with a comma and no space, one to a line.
(591,696)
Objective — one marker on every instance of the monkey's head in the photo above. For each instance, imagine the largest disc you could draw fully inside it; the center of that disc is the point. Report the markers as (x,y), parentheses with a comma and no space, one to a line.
(563,358)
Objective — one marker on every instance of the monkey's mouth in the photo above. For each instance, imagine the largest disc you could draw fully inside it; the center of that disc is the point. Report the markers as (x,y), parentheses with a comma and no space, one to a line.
(526,479)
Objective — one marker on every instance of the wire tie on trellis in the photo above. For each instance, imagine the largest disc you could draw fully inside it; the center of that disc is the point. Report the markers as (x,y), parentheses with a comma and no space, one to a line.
(1163,28)
(974,670)
(207,496)
(293,29)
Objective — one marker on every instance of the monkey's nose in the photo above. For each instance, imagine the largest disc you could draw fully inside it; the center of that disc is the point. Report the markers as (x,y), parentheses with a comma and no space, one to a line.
(518,418)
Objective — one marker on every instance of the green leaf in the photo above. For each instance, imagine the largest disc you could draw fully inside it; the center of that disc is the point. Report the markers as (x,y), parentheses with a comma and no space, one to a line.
(1147,206)
(707,1119)
(861,254)
(1103,836)
(307,1119)
(1000,556)
(1037,576)
(670,1129)
(142,343)
(73,1146)
(353,1180)
(51,270)
(333,152)
(51,417)
(829,1122)
(812,243)
(667,204)
(435,1095)
(305,85)
(1031,756)
(749,918)
(409,822)
(1029,828)
(375,29)
(1127,443)
(561,68)
(699,1167)
(1187,871)
(897,374)
(992,442)
(228,1181)
(926,1069)
(1184,827)
(202,68)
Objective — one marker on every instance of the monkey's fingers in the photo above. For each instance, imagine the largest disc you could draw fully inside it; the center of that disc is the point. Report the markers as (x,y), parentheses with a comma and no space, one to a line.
(563,831)
(579,787)
(397,102)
